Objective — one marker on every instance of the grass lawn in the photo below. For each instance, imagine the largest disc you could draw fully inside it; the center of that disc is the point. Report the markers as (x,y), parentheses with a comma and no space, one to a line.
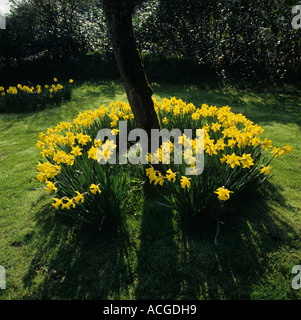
(151,255)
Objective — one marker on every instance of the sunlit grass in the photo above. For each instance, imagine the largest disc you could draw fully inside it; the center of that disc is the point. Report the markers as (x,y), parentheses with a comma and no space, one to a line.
(151,255)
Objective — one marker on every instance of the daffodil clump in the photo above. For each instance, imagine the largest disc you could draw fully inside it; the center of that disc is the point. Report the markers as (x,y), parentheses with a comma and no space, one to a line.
(80,186)
(32,97)
(235,158)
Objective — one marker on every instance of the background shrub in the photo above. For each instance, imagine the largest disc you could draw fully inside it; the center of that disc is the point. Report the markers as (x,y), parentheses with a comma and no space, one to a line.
(21,98)
(229,40)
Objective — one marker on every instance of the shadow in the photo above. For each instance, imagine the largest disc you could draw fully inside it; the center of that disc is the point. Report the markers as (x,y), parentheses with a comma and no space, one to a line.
(77,262)
(241,258)
(179,260)
(157,272)
(166,259)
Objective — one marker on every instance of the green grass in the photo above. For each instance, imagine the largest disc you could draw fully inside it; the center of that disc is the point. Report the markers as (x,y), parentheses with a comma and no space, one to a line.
(151,255)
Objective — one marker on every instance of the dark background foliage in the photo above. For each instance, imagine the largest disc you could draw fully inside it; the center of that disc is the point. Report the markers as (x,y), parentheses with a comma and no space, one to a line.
(180,40)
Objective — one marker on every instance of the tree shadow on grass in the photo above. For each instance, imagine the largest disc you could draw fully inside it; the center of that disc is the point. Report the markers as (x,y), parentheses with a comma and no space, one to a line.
(78,262)
(240,260)
(157,256)
(173,261)
(180,261)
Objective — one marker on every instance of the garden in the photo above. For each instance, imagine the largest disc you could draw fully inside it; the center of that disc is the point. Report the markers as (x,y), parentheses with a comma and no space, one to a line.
(79,221)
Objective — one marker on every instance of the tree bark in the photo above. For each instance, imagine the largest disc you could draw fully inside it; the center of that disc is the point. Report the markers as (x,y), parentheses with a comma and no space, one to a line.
(139,92)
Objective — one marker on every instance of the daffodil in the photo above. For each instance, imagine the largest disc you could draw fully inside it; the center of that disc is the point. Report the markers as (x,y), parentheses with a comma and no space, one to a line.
(160,180)
(92,153)
(50,187)
(79,197)
(185,182)
(243,140)
(57,203)
(76,151)
(83,139)
(230,137)
(215,126)
(246,160)
(40,145)
(231,143)
(277,152)
(48,152)
(266,144)
(106,151)
(149,171)
(60,157)
(171,175)
(195,116)
(69,160)
(223,194)
(286,149)
(220,144)
(188,156)
(152,177)
(68,204)
(114,132)
(97,143)
(232,160)
(164,120)
(211,149)
(47,170)
(94,188)
(266,170)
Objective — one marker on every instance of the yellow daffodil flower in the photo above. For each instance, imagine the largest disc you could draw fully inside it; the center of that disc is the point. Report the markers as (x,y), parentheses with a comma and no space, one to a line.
(152,177)
(57,203)
(246,160)
(68,204)
(266,144)
(286,149)
(160,180)
(171,175)
(233,160)
(265,170)
(94,188)
(92,153)
(185,182)
(79,197)
(215,126)
(164,120)
(277,152)
(223,194)
(76,151)
(50,187)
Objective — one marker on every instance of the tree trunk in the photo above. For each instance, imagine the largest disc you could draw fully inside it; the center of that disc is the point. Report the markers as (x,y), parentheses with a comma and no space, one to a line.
(139,93)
